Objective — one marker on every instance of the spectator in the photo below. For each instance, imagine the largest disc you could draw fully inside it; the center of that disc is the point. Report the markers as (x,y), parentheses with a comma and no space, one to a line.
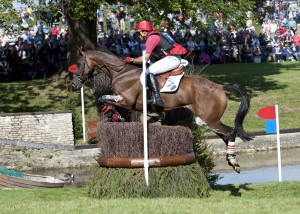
(108,22)
(54,31)
(286,52)
(25,36)
(191,45)
(132,44)
(204,58)
(125,50)
(121,15)
(296,39)
(39,36)
(277,52)
(13,59)
(257,51)
(131,22)
(9,38)
(62,58)
(295,52)
(269,53)
(254,41)
(100,17)
(288,38)
(292,24)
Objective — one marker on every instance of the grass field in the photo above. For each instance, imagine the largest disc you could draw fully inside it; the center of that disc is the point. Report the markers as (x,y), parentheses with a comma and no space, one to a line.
(265,84)
(275,198)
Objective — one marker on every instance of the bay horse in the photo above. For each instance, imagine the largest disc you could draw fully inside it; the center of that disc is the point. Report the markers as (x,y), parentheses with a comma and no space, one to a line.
(206,99)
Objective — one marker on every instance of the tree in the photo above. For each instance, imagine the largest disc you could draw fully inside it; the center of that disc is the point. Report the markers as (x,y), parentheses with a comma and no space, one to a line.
(81,18)
(158,11)
(7,13)
(81,14)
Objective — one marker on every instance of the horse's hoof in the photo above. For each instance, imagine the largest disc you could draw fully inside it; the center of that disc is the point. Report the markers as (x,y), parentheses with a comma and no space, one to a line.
(237,168)
(232,161)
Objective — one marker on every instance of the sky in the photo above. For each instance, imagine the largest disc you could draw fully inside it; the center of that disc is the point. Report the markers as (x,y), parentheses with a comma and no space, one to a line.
(19,5)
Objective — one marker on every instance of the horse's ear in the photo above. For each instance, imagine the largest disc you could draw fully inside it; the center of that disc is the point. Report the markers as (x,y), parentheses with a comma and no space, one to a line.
(80,51)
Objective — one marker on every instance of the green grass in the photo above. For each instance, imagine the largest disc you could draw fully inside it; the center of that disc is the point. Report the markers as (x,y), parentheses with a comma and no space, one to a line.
(265,84)
(275,197)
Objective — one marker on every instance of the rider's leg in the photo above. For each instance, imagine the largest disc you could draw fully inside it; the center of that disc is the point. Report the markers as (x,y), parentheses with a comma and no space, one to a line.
(161,66)
(154,87)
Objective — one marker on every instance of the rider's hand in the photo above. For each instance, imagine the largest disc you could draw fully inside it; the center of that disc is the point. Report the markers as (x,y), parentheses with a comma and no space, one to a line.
(129,60)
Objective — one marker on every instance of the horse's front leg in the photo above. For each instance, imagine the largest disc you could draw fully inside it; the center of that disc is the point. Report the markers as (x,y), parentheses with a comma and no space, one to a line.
(112,98)
(106,103)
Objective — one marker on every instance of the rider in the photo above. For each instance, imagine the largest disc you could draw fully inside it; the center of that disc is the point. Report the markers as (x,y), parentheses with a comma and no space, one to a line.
(160,49)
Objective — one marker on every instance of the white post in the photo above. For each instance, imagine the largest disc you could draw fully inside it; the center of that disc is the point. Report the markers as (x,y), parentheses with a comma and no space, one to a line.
(146,163)
(278,144)
(82,112)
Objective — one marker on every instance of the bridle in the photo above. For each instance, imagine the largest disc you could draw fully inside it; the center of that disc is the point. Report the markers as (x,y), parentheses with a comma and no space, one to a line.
(81,78)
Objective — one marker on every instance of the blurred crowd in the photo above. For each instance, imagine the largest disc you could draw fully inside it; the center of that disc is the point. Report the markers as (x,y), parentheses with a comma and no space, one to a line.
(277,38)
(38,51)
(31,51)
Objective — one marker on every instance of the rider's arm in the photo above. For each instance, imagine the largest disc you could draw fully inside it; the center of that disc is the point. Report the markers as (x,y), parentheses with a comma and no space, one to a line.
(139,60)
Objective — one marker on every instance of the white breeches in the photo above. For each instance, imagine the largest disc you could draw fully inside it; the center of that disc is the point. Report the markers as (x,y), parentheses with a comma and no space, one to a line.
(163,65)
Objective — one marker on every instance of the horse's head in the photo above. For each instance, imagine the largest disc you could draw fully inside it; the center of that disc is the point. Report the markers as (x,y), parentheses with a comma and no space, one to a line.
(85,68)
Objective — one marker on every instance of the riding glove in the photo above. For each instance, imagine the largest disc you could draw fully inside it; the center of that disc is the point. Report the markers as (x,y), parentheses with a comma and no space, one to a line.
(129,60)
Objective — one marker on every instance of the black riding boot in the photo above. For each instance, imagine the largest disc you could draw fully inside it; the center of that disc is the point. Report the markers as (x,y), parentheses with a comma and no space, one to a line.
(158,102)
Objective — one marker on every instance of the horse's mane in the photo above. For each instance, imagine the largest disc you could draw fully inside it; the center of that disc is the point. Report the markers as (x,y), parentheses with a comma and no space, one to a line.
(105,50)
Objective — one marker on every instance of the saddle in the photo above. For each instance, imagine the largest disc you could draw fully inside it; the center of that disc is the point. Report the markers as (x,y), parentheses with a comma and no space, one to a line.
(162,78)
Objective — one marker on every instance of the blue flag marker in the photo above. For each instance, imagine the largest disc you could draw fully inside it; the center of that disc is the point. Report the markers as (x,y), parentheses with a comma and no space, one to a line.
(271,126)
(270,114)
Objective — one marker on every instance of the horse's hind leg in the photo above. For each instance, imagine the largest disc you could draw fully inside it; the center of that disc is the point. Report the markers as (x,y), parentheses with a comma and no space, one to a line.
(228,135)
(229,140)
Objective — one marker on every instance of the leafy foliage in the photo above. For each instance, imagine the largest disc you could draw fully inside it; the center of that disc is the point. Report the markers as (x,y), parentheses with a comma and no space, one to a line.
(204,154)
(7,13)
(84,9)
(71,103)
(158,11)
(179,181)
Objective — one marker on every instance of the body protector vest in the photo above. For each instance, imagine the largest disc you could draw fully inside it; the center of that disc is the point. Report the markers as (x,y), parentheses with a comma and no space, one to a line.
(167,46)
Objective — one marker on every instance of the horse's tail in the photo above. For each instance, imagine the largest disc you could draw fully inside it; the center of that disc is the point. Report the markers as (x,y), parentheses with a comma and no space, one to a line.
(241,114)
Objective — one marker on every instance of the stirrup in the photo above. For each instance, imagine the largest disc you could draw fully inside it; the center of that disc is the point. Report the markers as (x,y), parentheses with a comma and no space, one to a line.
(159,102)
(158,106)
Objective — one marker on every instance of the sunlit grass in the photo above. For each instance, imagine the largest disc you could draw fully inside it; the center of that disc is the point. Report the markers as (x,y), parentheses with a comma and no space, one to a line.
(266,84)
(274,197)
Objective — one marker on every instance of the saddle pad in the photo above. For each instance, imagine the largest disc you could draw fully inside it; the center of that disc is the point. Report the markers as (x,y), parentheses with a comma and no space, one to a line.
(172,83)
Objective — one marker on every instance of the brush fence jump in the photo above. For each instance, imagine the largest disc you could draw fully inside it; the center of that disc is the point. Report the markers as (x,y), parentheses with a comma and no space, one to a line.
(121,145)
